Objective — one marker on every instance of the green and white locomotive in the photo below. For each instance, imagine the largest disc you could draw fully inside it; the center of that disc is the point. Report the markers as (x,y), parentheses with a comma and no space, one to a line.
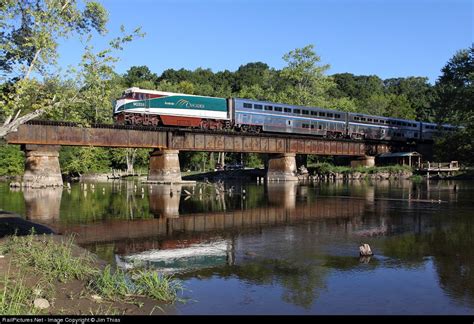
(157,108)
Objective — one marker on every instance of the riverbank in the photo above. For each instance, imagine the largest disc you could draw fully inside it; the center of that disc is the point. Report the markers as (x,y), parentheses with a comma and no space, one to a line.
(50,275)
(327,172)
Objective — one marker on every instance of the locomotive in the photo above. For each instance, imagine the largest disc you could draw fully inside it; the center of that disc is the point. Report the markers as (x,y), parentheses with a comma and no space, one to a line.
(158,108)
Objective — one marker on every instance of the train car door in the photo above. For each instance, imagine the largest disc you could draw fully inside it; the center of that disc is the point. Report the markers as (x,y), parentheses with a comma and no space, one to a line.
(289,126)
(146,98)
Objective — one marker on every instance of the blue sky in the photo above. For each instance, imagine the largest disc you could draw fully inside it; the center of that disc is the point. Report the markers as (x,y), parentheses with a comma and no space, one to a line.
(387,38)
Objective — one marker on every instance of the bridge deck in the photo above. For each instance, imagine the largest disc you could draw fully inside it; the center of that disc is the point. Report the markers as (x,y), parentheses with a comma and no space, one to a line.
(52,133)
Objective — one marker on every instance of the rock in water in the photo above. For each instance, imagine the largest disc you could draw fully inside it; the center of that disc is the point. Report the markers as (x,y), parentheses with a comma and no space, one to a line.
(365,250)
(41,303)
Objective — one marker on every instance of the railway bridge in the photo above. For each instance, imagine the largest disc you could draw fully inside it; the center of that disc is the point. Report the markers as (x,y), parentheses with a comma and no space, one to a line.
(41,140)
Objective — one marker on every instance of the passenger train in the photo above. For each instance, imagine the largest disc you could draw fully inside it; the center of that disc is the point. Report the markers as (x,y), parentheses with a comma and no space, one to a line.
(158,108)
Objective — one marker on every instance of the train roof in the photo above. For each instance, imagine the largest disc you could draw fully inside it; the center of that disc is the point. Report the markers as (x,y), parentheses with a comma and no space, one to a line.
(288,105)
(137,89)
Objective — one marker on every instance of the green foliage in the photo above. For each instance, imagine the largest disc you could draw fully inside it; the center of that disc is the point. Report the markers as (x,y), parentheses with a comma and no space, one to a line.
(80,160)
(118,285)
(138,74)
(253,160)
(455,89)
(458,146)
(325,168)
(129,158)
(15,297)
(157,286)
(419,93)
(12,160)
(306,83)
(409,98)
(113,285)
(32,29)
(454,104)
(52,259)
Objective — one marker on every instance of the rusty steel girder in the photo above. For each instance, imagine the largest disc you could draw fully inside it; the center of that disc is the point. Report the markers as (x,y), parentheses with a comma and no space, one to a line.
(87,136)
(189,140)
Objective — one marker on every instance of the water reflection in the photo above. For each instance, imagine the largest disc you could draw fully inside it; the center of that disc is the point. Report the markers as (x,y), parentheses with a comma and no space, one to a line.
(164,200)
(283,194)
(298,241)
(42,205)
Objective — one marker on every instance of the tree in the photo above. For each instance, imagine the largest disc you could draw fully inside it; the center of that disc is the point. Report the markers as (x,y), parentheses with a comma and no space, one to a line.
(30,32)
(251,74)
(138,74)
(359,87)
(455,89)
(454,104)
(42,24)
(305,80)
(417,91)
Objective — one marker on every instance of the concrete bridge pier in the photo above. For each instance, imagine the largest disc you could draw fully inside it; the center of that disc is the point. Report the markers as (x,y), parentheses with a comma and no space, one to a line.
(164,167)
(282,167)
(42,166)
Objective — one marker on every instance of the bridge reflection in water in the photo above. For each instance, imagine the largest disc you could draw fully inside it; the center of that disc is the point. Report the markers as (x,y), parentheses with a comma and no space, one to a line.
(204,218)
(283,239)
(165,217)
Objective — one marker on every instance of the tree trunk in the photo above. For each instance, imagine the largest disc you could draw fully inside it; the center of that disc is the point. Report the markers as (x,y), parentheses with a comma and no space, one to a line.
(130,159)
(11,124)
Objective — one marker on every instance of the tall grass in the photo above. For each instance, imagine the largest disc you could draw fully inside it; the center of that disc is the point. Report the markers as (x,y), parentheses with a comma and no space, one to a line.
(157,286)
(53,260)
(113,285)
(15,297)
(120,285)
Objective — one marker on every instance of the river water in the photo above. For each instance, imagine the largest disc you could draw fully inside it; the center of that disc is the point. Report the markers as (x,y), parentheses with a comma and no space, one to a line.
(280,248)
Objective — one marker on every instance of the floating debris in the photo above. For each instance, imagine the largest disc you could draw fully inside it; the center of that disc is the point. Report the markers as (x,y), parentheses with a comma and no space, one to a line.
(365,250)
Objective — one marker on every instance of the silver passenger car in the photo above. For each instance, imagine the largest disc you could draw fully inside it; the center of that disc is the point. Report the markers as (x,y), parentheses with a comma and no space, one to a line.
(283,118)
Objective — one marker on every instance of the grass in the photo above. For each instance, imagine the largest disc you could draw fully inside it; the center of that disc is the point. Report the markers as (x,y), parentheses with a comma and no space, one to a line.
(327,168)
(15,298)
(113,285)
(48,260)
(53,259)
(157,286)
(120,285)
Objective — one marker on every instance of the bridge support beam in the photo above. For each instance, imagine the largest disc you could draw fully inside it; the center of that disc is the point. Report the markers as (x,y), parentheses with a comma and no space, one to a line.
(42,166)
(164,167)
(364,161)
(282,167)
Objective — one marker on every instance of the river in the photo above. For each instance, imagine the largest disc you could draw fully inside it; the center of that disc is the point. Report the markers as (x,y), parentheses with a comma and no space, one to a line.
(279,248)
